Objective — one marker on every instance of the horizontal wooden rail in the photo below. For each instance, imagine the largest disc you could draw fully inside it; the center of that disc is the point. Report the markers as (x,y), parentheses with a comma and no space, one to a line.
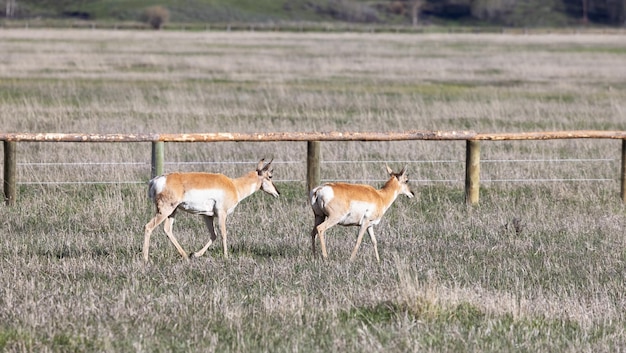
(321,136)
(313,136)
(551,135)
(472,172)
(242,137)
(57,137)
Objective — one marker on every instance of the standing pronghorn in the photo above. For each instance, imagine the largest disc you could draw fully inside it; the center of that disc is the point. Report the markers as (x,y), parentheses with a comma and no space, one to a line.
(209,195)
(355,205)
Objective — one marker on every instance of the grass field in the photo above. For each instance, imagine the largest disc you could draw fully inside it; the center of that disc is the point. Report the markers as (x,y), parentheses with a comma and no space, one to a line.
(537,266)
(204,11)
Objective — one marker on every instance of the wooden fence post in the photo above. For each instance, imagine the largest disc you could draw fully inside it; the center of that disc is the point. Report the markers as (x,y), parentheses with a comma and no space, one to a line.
(10,172)
(623,176)
(312,164)
(157,158)
(472,172)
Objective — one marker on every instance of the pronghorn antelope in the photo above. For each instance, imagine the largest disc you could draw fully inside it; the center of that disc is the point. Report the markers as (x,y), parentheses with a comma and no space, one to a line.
(355,205)
(209,195)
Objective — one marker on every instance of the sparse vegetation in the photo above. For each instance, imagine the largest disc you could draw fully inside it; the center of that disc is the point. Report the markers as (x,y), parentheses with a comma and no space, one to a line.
(537,266)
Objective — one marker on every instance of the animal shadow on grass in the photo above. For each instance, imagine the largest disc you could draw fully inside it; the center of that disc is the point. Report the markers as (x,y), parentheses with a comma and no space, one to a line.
(66,251)
(263,251)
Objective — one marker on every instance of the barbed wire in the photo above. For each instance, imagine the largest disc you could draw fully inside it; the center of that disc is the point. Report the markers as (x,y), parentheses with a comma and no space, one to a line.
(549,160)
(78,182)
(544,180)
(570,160)
(79,163)
(421,181)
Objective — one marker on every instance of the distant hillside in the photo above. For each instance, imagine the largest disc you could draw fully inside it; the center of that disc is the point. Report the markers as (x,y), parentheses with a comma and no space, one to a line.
(517,13)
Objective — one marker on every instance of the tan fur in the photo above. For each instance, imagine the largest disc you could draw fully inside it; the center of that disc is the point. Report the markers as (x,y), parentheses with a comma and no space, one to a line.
(179,183)
(354,205)
(206,194)
(346,193)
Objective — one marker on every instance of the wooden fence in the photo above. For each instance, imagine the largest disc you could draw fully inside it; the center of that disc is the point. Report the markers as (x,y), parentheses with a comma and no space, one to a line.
(313,140)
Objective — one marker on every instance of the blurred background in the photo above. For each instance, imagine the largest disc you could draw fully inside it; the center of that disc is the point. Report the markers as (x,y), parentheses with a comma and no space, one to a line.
(514,13)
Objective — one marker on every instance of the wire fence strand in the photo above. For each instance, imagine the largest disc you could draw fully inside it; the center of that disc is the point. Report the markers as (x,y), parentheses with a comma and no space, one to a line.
(330,162)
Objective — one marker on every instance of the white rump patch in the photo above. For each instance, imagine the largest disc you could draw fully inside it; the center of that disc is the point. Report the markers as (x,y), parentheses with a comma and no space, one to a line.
(320,197)
(156,186)
(322,193)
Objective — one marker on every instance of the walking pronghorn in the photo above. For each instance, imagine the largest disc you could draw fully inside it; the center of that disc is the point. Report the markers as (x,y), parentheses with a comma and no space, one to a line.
(355,205)
(206,194)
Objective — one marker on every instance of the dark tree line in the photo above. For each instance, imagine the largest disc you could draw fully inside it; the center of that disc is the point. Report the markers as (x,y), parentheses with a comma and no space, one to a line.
(516,12)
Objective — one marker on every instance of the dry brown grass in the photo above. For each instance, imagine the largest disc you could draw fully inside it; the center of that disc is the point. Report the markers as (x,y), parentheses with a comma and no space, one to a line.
(451,278)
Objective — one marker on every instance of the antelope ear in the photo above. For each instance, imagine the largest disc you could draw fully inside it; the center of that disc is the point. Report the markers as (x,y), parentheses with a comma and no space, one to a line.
(389,171)
(403,171)
(259,166)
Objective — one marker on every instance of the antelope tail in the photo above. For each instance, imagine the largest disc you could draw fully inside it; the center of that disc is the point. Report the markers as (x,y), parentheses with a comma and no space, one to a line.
(152,188)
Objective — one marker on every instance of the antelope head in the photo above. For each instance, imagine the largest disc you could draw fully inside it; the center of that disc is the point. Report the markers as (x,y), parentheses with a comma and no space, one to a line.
(403,181)
(265,175)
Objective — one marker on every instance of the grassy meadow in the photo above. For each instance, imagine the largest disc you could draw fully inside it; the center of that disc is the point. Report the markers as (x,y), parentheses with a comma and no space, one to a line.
(538,265)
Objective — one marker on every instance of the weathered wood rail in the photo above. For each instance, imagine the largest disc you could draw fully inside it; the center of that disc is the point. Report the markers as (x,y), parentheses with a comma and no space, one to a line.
(313,139)
(242,137)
